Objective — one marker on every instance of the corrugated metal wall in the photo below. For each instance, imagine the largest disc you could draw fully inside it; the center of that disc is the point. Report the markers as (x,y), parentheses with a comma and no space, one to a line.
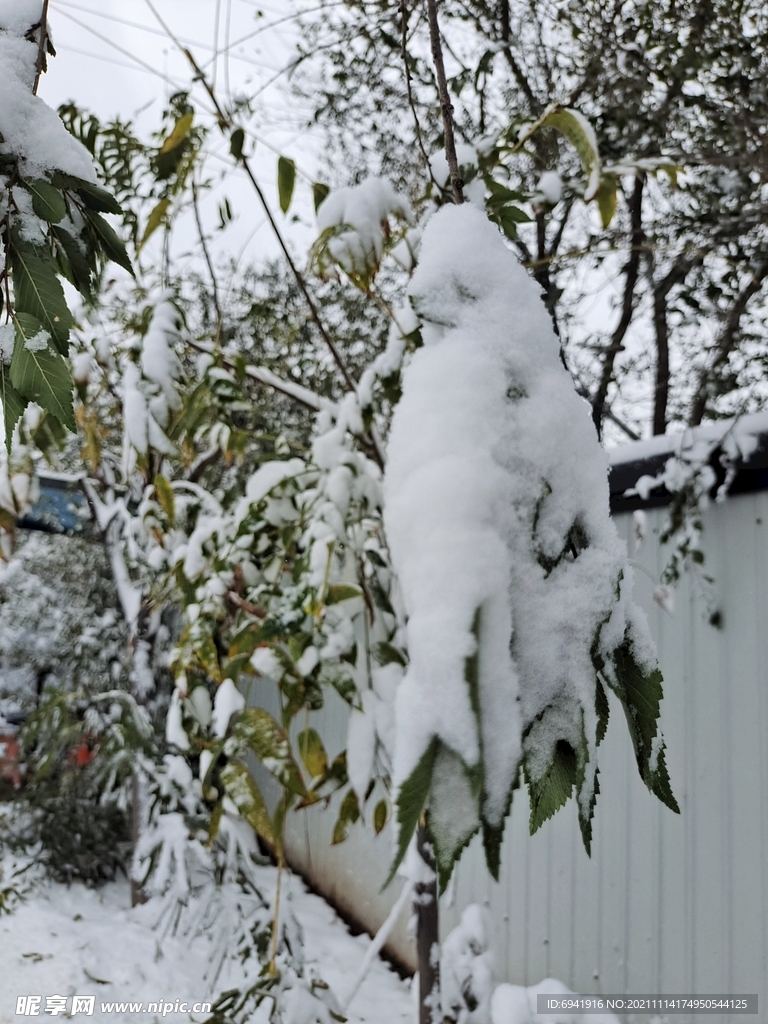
(667,903)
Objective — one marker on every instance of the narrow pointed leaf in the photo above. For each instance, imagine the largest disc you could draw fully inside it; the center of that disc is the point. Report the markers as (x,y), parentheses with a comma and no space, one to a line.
(112,245)
(12,402)
(286,180)
(579,133)
(47,202)
(319,194)
(155,219)
(411,802)
(247,798)
(38,291)
(180,131)
(40,374)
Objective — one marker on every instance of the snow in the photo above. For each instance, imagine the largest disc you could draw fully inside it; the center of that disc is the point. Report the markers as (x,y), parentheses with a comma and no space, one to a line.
(228,702)
(158,360)
(513,1004)
(75,940)
(29,128)
(7,342)
(744,430)
(359,214)
(37,343)
(551,187)
(492,464)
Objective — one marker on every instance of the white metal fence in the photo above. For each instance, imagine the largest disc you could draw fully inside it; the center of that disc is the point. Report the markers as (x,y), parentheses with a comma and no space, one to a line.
(667,904)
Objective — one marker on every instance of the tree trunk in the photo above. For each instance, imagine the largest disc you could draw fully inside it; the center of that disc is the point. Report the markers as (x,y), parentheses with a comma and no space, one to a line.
(427,934)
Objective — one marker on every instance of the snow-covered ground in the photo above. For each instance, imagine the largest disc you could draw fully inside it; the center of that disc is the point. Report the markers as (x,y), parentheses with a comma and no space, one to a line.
(68,941)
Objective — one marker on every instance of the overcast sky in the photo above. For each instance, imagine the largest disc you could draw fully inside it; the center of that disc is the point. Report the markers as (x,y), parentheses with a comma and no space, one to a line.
(115,59)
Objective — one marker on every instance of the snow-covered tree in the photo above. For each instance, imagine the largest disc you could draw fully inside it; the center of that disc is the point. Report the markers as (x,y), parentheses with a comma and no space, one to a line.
(435,547)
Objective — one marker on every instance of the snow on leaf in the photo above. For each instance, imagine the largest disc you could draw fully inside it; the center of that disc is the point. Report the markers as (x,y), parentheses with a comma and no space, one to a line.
(246,796)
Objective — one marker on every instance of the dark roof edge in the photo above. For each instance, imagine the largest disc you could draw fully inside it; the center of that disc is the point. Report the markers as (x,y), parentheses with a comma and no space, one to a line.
(648,458)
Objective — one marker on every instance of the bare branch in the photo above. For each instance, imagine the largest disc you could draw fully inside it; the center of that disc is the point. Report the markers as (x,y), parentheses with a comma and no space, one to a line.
(661,290)
(409,88)
(631,273)
(42,47)
(727,342)
(445,103)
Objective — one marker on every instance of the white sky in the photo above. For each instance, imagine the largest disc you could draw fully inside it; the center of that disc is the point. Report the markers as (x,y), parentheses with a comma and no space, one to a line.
(115,59)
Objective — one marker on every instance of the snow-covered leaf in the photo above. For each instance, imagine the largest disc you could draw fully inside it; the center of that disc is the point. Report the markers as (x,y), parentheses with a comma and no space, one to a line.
(246,796)
(40,374)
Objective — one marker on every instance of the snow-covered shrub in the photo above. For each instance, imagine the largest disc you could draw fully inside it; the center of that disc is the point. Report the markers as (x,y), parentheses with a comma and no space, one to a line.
(73,812)
(516,585)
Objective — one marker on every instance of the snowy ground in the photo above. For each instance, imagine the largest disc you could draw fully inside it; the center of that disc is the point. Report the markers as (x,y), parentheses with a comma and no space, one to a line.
(78,941)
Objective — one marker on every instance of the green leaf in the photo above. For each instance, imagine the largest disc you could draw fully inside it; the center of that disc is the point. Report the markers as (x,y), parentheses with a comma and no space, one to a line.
(180,132)
(579,133)
(155,219)
(41,376)
(236,143)
(549,792)
(380,816)
(74,263)
(385,653)
(603,711)
(94,197)
(349,813)
(97,198)
(111,244)
(453,814)
(47,202)
(640,693)
(320,193)
(606,198)
(13,404)
(166,498)
(338,592)
(411,802)
(38,292)
(258,730)
(286,180)
(246,796)
(313,753)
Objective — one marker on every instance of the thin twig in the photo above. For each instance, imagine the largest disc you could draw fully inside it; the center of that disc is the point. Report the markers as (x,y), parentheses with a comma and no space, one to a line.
(409,89)
(41,47)
(226,122)
(445,103)
(208,261)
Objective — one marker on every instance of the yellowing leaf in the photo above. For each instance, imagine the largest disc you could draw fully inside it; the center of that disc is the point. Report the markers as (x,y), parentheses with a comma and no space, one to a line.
(606,198)
(180,132)
(155,219)
(579,132)
(165,497)
(313,753)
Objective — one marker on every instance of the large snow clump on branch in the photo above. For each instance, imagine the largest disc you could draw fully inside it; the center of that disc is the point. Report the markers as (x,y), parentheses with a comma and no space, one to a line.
(29,128)
(496,512)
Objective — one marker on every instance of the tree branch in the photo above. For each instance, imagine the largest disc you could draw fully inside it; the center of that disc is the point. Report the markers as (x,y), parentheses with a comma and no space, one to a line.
(726,343)
(42,46)
(409,89)
(445,103)
(631,272)
(661,290)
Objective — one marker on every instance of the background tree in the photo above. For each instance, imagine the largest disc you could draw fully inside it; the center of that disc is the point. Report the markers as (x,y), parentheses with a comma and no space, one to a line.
(660,316)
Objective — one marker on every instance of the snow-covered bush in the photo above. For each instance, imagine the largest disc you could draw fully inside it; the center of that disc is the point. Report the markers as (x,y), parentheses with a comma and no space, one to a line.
(516,585)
